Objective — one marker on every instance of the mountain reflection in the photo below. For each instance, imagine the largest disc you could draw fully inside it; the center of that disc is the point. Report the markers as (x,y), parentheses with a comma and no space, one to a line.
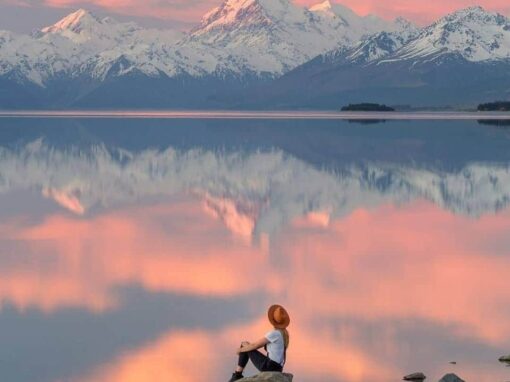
(257,192)
(495,122)
(124,265)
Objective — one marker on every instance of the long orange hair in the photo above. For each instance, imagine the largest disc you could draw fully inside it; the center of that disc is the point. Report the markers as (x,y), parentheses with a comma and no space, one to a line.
(286,337)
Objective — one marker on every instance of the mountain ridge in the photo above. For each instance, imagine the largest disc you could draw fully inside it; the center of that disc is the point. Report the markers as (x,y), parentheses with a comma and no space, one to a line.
(238,47)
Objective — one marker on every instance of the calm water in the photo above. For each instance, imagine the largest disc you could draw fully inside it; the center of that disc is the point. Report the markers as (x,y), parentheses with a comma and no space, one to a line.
(146,249)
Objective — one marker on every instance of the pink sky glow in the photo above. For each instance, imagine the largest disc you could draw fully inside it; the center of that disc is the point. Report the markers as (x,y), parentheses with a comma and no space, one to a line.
(187,11)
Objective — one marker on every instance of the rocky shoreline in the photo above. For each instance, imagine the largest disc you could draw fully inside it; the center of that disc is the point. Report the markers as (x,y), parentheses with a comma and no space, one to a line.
(285,377)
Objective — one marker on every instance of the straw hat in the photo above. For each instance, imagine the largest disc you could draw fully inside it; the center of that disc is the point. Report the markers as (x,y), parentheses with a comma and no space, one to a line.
(278,316)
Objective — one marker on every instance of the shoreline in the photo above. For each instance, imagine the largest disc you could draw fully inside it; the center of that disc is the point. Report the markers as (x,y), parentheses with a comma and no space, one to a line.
(274,115)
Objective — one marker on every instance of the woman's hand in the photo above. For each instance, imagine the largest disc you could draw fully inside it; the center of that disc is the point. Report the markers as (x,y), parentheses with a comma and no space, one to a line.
(243,344)
(247,346)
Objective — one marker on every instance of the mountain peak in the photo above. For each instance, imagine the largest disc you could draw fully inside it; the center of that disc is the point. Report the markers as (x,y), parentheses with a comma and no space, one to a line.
(471,9)
(325,5)
(332,9)
(230,12)
(473,12)
(74,22)
(248,13)
(403,25)
(473,33)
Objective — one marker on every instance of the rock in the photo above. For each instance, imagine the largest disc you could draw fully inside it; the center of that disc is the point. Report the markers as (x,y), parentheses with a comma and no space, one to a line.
(415,377)
(269,377)
(505,358)
(451,378)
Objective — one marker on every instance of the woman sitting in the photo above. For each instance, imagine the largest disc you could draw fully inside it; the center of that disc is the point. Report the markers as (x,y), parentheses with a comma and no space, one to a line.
(274,342)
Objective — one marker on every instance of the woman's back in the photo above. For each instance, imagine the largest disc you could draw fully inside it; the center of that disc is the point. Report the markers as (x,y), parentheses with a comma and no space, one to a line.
(276,346)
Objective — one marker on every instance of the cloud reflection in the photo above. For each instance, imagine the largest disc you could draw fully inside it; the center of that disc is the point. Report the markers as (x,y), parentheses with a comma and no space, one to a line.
(386,267)
(383,267)
(162,247)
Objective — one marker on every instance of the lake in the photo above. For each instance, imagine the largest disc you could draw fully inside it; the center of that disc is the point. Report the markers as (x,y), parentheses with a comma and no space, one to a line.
(146,248)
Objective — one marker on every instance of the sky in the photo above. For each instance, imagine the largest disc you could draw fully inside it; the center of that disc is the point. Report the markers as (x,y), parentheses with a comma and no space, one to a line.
(28,15)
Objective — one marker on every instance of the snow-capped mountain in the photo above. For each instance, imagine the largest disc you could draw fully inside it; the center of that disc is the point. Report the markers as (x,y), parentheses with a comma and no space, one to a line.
(374,46)
(462,59)
(87,61)
(274,36)
(82,44)
(473,33)
(261,37)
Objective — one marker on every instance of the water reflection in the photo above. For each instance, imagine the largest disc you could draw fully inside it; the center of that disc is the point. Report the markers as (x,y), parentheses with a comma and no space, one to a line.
(130,265)
(367,121)
(253,192)
(494,122)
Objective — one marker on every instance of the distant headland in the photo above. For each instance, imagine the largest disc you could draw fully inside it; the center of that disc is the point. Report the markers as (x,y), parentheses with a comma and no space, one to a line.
(495,106)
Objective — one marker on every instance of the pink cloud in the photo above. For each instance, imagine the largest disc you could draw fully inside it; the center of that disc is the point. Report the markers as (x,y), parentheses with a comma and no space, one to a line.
(192,11)
(422,12)
(182,10)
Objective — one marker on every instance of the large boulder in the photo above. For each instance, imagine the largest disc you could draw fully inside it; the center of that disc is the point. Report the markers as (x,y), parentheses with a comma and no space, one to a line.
(269,377)
(451,378)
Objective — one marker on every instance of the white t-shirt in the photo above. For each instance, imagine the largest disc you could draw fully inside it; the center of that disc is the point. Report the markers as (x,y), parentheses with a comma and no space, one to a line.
(276,346)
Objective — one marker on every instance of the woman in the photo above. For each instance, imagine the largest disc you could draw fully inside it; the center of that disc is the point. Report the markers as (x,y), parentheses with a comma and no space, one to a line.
(275,342)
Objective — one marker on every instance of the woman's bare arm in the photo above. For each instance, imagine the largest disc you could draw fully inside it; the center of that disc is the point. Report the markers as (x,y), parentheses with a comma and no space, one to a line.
(252,346)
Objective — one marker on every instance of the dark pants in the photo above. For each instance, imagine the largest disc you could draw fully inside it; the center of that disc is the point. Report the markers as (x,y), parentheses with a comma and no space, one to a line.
(259,360)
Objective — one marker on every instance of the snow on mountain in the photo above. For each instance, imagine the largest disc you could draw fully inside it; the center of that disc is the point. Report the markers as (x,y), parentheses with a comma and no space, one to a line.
(24,59)
(76,23)
(82,26)
(82,44)
(355,26)
(375,46)
(241,39)
(89,43)
(474,33)
(274,36)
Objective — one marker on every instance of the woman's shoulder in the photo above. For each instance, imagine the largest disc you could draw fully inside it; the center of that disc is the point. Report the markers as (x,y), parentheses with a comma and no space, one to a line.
(274,335)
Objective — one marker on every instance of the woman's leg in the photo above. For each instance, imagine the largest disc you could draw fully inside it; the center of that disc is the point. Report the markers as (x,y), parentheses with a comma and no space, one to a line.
(258,359)
(243,361)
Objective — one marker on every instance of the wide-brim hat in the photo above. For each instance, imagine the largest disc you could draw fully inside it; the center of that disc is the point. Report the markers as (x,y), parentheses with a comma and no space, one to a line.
(278,316)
